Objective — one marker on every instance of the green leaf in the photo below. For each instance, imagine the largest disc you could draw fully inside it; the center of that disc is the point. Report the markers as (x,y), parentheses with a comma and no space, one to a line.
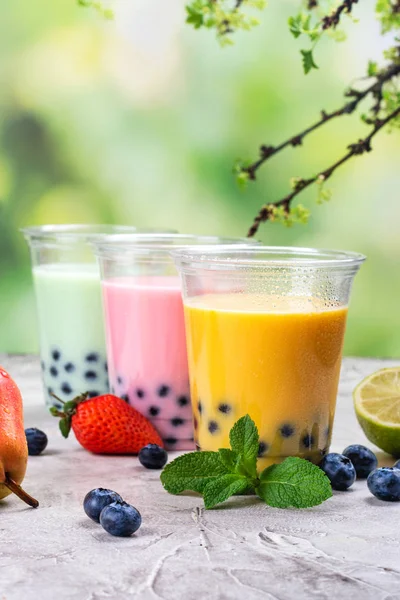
(55,412)
(244,441)
(372,68)
(308,61)
(295,26)
(194,17)
(230,459)
(65,426)
(192,471)
(222,488)
(294,483)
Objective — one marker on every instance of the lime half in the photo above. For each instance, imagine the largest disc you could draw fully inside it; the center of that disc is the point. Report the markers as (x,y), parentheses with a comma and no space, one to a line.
(377,406)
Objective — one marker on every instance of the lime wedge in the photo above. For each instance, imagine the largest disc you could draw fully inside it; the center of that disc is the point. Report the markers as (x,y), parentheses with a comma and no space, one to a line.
(377,406)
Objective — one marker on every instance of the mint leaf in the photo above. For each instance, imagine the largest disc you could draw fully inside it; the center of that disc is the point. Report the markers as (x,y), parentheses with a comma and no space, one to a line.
(308,61)
(222,488)
(244,441)
(294,483)
(230,459)
(192,471)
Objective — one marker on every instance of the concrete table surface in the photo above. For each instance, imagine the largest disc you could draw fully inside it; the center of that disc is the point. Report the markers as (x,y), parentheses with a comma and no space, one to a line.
(347,548)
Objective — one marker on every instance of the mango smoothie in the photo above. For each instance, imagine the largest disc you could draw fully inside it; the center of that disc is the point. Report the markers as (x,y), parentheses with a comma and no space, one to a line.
(275,358)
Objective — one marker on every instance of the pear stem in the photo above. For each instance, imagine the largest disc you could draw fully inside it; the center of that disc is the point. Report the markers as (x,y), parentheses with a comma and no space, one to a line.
(18,491)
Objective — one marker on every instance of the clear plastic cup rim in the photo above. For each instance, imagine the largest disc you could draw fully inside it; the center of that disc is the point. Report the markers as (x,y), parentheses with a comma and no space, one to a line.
(265,258)
(80,232)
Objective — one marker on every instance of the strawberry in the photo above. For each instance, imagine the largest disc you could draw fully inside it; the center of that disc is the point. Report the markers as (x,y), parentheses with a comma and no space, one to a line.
(106,425)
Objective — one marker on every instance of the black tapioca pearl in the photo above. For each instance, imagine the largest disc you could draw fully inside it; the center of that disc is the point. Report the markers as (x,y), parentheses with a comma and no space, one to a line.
(224,408)
(124,397)
(182,401)
(213,426)
(307,441)
(90,375)
(53,371)
(262,449)
(177,421)
(119,380)
(43,365)
(287,430)
(92,357)
(56,354)
(106,367)
(66,388)
(154,411)
(171,441)
(93,394)
(163,391)
(200,407)
(140,393)
(69,367)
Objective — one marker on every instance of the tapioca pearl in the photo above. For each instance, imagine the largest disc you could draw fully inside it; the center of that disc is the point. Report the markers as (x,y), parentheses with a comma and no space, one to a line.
(90,375)
(182,401)
(177,421)
(163,391)
(140,393)
(66,388)
(200,407)
(106,367)
(213,426)
(154,411)
(93,393)
(69,367)
(124,397)
(53,371)
(287,430)
(262,449)
(55,354)
(224,408)
(307,441)
(171,441)
(92,357)
(120,381)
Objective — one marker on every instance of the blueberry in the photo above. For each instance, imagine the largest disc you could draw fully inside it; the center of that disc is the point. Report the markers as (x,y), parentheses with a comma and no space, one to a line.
(363,459)
(339,469)
(163,391)
(384,483)
(262,449)
(224,408)
(396,465)
(182,401)
(90,375)
(53,371)
(93,393)
(307,441)
(92,357)
(36,440)
(213,426)
(153,456)
(56,354)
(120,519)
(66,388)
(98,499)
(124,397)
(286,430)
(153,411)
(140,393)
(69,367)
(176,421)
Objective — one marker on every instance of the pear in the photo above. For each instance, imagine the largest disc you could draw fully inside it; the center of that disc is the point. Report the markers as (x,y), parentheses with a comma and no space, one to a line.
(13,446)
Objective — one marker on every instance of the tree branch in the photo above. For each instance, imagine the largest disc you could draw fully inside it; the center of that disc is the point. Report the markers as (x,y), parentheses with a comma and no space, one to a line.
(333,20)
(356,149)
(375,90)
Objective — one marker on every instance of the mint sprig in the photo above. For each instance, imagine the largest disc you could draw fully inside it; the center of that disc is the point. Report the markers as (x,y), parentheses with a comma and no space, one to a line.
(219,475)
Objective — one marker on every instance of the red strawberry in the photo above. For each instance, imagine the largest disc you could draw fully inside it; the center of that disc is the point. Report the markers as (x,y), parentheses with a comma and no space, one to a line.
(106,425)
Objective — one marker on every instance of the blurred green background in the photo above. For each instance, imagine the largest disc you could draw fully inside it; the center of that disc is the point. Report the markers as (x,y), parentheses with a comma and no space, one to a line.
(140,120)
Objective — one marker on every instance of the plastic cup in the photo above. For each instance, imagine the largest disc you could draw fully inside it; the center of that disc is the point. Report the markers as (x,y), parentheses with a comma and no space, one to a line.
(269,346)
(67,285)
(145,330)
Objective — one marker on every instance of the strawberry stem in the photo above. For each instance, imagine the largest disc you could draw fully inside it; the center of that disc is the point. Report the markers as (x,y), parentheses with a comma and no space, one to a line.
(18,491)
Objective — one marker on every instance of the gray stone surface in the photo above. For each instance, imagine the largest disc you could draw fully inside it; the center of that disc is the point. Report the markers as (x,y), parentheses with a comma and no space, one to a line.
(348,548)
